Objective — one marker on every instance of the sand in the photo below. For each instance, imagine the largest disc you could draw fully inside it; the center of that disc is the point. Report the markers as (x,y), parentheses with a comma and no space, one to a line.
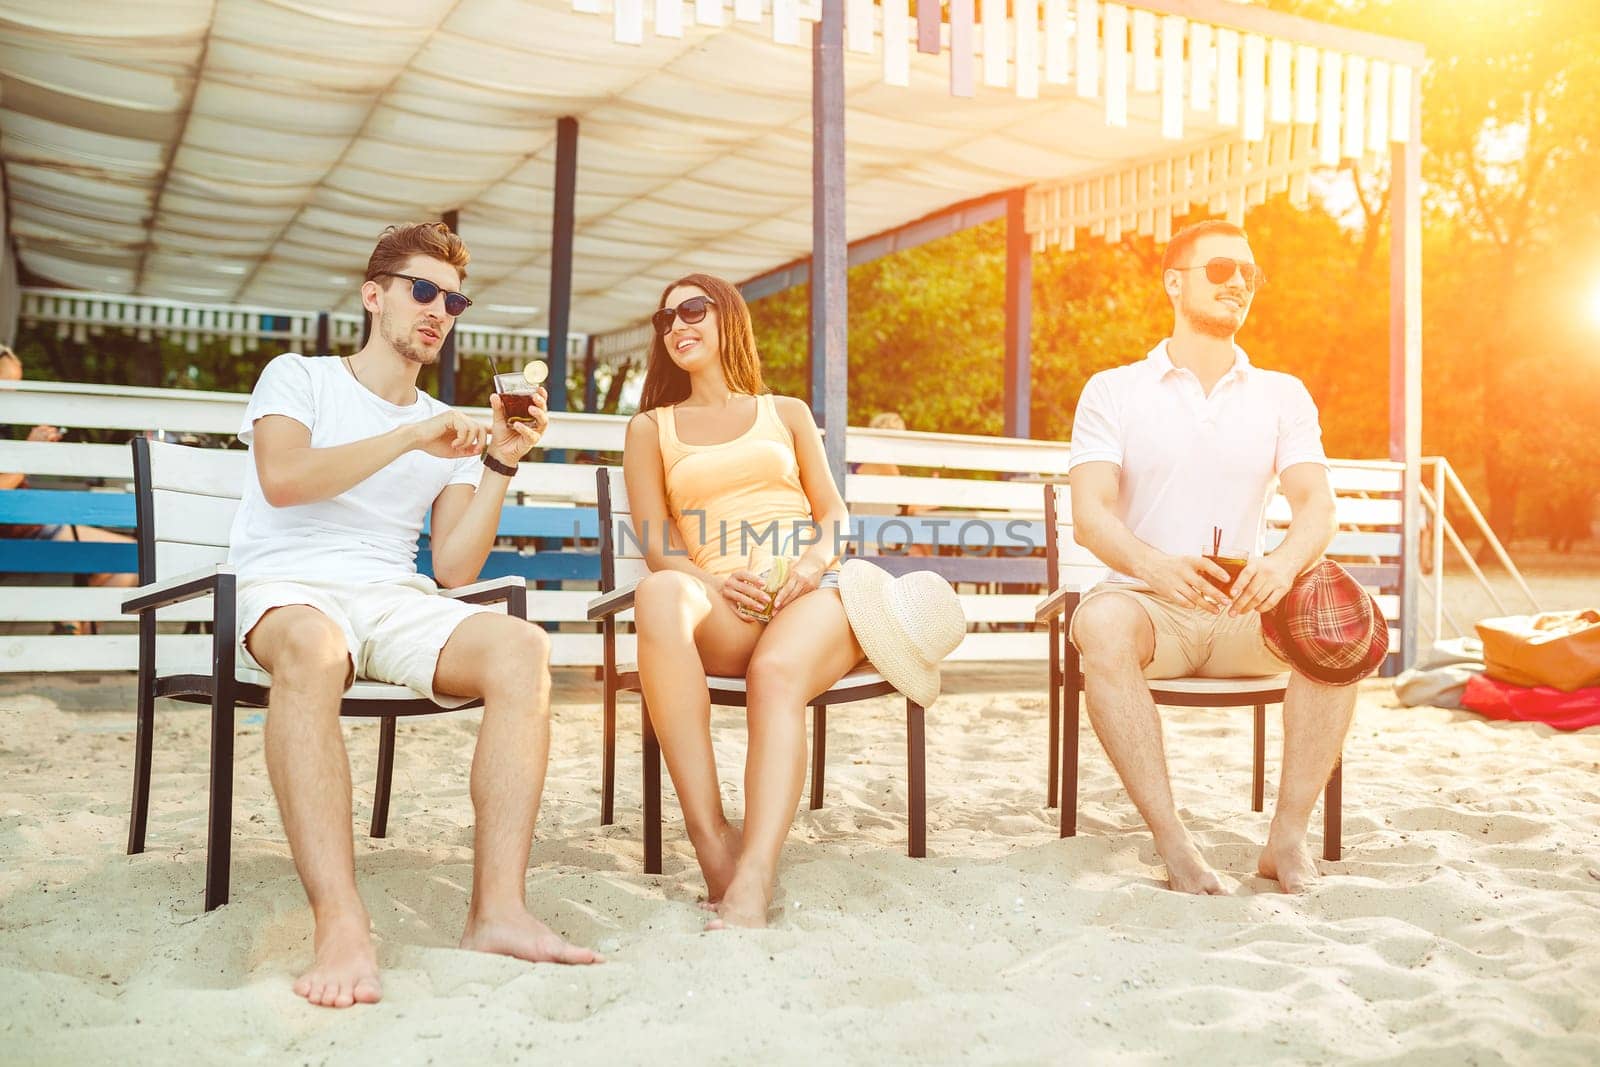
(1462,926)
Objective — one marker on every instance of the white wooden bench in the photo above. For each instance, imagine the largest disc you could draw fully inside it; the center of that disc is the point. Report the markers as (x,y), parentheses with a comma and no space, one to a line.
(986,502)
(106,470)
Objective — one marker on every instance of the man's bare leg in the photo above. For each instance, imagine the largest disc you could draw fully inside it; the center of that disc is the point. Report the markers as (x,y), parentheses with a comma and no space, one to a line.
(806,648)
(1115,640)
(684,631)
(506,662)
(305,653)
(1316,718)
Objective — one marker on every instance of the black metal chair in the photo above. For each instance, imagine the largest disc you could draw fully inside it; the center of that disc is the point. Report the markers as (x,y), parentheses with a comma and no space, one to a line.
(1065,557)
(620,572)
(186,499)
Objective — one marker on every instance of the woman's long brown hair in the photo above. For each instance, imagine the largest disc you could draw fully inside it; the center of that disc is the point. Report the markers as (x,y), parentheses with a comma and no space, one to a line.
(667,383)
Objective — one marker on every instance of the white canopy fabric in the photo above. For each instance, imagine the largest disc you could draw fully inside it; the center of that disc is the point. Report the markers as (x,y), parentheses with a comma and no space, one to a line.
(249,151)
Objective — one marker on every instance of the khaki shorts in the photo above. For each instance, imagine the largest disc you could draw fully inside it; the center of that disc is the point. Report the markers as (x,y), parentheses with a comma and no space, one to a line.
(394,630)
(1191,643)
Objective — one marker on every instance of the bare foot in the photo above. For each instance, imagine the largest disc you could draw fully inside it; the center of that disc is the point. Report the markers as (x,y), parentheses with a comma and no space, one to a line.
(719,857)
(1187,870)
(1288,860)
(744,904)
(516,933)
(345,970)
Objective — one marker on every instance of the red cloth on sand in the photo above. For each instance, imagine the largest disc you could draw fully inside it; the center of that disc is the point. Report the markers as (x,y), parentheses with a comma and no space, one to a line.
(1540,703)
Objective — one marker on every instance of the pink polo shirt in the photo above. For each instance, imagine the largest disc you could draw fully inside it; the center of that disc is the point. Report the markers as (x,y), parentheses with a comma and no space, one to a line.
(1189,461)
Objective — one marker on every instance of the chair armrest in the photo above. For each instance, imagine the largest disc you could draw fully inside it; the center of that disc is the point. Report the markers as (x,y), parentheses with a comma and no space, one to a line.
(492,591)
(610,603)
(176,590)
(1064,601)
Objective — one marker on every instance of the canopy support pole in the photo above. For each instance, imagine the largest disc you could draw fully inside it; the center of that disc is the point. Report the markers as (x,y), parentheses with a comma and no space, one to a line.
(561,258)
(1019,316)
(830,333)
(1405,356)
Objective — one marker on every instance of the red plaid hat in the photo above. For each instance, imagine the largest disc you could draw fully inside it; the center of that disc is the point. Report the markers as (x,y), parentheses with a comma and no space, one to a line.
(1327,627)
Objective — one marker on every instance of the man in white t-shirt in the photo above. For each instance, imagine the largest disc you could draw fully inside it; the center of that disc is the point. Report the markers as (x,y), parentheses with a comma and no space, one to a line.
(350,458)
(1169,456)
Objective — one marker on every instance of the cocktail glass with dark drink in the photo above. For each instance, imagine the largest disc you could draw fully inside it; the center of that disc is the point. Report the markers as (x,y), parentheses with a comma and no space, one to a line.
(517,390)
(1230,559)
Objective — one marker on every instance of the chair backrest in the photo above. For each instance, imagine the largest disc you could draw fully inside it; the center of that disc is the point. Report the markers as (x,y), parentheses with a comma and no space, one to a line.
(621,553)
(185,498)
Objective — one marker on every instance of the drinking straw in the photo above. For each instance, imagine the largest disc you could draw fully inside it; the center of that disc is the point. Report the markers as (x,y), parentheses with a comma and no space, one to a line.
(495,370)
(1216,540)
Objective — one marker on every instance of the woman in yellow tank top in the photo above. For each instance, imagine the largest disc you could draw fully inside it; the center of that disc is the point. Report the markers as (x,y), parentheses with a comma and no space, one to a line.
(721,475)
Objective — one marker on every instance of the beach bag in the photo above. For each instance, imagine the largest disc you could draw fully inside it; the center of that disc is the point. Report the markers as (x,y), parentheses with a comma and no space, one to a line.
(1560,649)
(1515,703)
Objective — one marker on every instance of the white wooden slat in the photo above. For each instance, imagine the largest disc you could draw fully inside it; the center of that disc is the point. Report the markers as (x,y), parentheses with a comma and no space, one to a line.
(1202,66)
(210,471)
(78,405)
(1349,510)
(957,451)
(962,52)
(1057,43)
(955,493)
(997,607)
(859,28)
(1228,77)
(1378,106)
(1402,80)
(1280,83)
(747,10)
(627,21)
(58,603)
(1023,647)
(1114,39)
(191,653)
(896,42)
(708,12)
(1027,39)
(1350,546)
(66,603)
(66,459)
(1355,107)
(1306,58)
(1144,51)
(669,18)
(785,22)
(587,7)
(1369,477)
(993,35)
(1087,40)
(1253,88)
(1173,30)
(193,518)
(174,559)
(1332,67)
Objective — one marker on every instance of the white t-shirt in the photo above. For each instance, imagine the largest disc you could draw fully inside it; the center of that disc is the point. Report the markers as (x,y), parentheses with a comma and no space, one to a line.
(368,533)
(1190,462)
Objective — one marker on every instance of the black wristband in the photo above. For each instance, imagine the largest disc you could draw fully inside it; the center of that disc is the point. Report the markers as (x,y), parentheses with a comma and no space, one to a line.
(508,469)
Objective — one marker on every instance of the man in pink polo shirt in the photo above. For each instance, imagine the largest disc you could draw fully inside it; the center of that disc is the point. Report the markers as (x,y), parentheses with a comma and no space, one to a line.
(1165,452)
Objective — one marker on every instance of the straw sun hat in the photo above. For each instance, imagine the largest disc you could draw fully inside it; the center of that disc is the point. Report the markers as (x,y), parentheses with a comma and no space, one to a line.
(905,625)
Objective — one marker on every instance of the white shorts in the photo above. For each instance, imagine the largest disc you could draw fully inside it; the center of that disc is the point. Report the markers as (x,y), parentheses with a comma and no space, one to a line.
(394,630)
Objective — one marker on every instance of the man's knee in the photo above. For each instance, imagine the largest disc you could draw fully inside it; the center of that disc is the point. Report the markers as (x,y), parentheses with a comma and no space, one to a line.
(1113,630)
(306,644)
(518,668)
(663,600)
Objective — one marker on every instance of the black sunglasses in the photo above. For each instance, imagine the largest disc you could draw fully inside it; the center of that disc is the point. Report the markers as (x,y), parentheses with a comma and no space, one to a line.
(1221,269)
(691,311)
(423,291)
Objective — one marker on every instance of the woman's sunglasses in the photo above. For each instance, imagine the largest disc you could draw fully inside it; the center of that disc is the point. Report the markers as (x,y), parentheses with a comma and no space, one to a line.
(423,291)
(1221,269)
(691,311)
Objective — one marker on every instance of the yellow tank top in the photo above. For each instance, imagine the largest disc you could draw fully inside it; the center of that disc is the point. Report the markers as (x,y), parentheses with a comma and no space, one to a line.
(733,498)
